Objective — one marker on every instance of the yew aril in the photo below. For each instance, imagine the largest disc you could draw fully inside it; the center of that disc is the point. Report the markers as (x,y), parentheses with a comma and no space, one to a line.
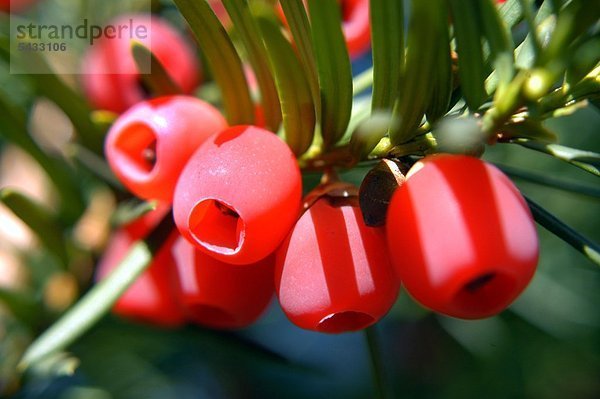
(219,295)
(149,145)
(333,273)
(356,26)
(111,79)
(239,195)
(461,237)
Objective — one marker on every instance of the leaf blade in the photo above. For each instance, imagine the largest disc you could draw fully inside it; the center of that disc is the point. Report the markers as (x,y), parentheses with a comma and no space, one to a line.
(250,36)
(297,104)
(441,94)
(424,32)
(500,40)
(157,80)
(222,58)
(471,65)
(42,222)
(13,126)
(586,160)
(511,12)
(333,67)
(387,38)
(297,19)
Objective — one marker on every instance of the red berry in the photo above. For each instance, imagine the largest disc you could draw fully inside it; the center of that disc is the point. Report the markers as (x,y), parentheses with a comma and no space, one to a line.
(461,237)
(110,75)
(151,297)
(148,146)
(239,195)
(356,25)
(220,295)
(332,274)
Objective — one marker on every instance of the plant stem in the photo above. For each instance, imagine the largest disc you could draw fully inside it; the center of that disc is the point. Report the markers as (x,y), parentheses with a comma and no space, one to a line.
(505,106)
(90,309)
(550,181)
(99,300)
(566,233)
(586,160)
(376,362)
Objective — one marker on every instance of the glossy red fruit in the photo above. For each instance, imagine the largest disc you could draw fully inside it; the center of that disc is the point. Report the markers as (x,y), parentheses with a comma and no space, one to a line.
(149,145)
(239,195)
(110,75)
(461,237)
(219,295)
(333,273)
(356,25)
(151,298)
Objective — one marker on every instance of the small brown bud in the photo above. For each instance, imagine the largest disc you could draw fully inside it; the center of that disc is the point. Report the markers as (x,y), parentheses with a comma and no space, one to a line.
(377,189)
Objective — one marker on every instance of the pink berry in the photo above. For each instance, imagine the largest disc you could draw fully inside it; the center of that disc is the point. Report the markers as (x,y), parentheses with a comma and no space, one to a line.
(219,295)
(239,195)
(110,76)
(149,145)
(333,273)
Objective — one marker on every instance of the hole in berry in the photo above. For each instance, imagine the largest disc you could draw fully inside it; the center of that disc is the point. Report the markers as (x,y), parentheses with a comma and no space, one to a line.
(345,321)
(217,226)
(485,295)
(479,282)
(137,145)
(211,315)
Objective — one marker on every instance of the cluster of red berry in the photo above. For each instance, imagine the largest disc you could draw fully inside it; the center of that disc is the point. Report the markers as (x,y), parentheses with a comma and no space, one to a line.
(459,237)
(235,193)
